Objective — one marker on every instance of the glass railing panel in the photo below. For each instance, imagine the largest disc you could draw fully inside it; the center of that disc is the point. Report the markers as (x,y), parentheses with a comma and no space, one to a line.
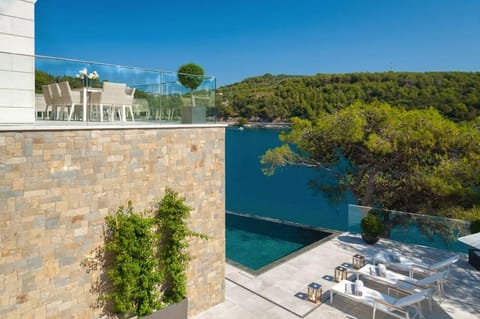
(431,231)
(159,96)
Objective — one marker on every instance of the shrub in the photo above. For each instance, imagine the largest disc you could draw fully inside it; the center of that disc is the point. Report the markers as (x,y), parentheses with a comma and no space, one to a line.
(242,121)
(134,272)
(371,225)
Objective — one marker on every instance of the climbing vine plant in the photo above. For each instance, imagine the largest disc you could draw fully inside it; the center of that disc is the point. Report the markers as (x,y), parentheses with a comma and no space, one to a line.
(134,271)
(172,216)
(148,256)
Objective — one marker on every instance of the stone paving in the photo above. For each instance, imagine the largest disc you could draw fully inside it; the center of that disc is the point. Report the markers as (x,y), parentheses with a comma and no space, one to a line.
(280,291)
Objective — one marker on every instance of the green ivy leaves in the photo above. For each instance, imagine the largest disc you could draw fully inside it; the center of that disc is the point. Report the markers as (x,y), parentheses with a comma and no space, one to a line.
(150,256)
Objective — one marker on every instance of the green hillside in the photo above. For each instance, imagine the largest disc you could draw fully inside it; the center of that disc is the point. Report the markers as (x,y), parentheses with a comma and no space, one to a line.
(279,97)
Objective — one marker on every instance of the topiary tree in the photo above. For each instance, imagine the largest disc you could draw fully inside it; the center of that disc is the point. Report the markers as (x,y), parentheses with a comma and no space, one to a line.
(191,76)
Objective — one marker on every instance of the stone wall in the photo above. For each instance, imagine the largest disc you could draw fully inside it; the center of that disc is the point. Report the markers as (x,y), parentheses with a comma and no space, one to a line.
(17,63)
(56,187)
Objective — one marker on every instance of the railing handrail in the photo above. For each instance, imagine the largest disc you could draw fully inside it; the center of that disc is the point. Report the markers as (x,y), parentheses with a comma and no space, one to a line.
(111,65)
(415,214)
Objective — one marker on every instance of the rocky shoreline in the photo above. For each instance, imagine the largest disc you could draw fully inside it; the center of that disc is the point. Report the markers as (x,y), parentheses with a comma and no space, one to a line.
(258,124)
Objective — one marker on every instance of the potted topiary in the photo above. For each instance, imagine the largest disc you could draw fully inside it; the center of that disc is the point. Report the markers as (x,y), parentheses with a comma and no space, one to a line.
(191,76)
(372,227)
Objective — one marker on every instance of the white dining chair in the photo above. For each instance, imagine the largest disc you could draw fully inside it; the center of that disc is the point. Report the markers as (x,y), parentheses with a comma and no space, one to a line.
(124,102)
(109,99)
(56,100)
(69,99)
(47,95)
(128,104)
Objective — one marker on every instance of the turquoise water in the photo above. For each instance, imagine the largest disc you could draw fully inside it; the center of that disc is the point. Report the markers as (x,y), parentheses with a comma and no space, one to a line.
(284,196)
(256,243)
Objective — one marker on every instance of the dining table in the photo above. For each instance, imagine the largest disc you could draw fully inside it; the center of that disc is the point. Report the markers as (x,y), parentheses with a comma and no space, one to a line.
(85,91)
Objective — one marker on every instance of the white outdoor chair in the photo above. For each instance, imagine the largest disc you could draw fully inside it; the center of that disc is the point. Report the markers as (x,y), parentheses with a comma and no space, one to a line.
(69,99)
(395,306)
(111,97)
(124,104)
(130,95)
(56,100)
(47,95)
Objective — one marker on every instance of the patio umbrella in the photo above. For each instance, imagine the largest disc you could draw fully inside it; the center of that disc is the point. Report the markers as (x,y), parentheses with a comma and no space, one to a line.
(471,240)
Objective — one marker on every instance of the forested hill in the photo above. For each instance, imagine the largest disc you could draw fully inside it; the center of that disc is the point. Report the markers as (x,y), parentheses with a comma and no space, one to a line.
(279,97)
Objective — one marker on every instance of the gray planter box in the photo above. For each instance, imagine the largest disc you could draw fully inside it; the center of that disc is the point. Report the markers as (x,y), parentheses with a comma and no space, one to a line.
(174,311)
(194,114)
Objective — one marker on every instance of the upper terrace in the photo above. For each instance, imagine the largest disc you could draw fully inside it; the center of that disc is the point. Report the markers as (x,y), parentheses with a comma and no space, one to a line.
(159,96)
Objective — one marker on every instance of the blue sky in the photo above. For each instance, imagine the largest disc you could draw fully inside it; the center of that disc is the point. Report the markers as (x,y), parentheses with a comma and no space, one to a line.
(233,40)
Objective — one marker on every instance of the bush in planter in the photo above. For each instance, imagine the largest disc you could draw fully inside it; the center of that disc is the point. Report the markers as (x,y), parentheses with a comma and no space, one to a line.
(475,226)
(372,227)
(149,257)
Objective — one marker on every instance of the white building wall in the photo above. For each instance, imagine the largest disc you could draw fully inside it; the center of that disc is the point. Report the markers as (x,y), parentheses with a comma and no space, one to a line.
(17,62)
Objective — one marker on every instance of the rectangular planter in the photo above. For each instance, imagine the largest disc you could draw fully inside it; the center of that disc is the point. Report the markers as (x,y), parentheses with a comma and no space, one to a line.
(174,311)
(194,114)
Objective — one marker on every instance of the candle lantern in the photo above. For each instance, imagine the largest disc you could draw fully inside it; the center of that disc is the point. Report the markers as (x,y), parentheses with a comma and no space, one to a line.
(340,273)
(358,261)
(314,292)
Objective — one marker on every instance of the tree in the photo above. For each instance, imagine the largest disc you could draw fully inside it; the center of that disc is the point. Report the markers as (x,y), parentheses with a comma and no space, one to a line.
(411,160)
(454,94)
(191,76)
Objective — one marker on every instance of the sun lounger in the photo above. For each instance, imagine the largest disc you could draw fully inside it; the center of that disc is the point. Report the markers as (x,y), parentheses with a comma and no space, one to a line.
(398,262)
(395,306)
(406,282)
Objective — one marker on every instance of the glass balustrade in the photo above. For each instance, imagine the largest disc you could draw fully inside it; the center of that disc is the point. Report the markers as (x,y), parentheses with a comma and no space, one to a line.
(431,231)
(159,95)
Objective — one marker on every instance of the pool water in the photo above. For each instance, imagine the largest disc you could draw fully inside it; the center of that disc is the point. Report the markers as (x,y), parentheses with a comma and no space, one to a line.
(257,243)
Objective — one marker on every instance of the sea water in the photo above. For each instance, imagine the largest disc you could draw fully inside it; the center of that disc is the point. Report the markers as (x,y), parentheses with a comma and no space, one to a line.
(286,195)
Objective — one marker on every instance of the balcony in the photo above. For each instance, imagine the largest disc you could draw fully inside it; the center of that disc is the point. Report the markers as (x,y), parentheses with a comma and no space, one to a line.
(159,96)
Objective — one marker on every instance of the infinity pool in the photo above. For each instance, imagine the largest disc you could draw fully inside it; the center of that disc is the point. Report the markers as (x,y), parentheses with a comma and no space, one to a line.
(256,243)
